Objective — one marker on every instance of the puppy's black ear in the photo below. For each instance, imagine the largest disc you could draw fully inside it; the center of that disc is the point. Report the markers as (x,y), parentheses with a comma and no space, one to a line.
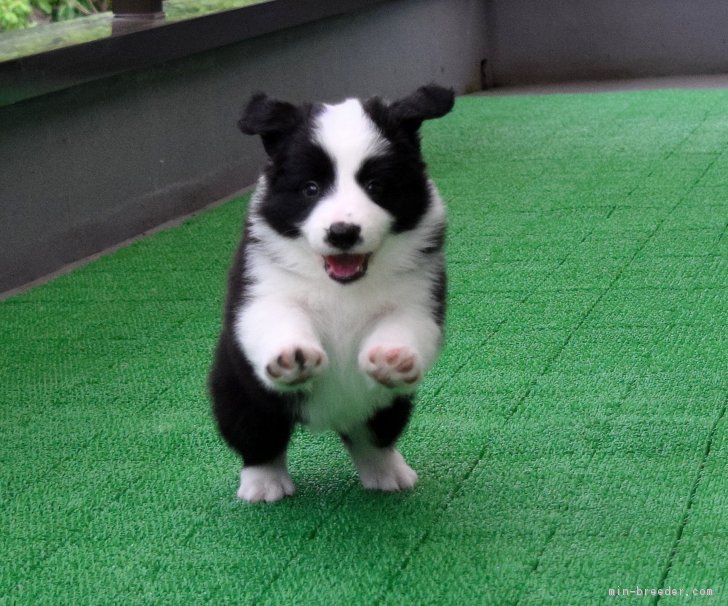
(269,118)
(426,103)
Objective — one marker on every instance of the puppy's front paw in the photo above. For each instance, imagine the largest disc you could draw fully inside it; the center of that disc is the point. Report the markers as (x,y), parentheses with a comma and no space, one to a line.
(267,483)
(295,365)
(393,366)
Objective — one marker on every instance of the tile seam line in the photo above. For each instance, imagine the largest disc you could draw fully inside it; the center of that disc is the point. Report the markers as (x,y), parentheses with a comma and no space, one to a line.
(579,484)
(691,500)
(720,237)
(549,365)
(40,562)
(588,312)
(552,533)
(608,288)
(472,469)
(604,292)
(457,488)
(523,300)
(304,540)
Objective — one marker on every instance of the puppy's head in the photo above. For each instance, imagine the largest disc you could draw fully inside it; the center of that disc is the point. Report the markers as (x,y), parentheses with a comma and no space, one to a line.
(343,178)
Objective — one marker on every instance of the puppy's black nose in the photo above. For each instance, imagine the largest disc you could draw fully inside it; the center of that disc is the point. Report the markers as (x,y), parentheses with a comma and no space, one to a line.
(343,235)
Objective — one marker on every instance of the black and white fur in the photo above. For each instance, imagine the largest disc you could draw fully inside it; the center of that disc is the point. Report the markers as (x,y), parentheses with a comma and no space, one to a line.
(336,297)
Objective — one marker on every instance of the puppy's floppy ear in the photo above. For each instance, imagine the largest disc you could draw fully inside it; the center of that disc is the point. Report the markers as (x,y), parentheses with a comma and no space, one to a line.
(426,103)
(269,118)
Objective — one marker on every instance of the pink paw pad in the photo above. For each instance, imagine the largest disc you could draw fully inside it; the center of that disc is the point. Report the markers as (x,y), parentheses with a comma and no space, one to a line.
(296,365)
(393,366)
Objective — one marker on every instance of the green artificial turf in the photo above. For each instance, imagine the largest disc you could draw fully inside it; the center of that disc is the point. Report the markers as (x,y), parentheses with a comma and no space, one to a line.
(571,439)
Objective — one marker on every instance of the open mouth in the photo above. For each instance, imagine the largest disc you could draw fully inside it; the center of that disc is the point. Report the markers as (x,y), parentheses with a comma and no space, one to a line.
(346,268)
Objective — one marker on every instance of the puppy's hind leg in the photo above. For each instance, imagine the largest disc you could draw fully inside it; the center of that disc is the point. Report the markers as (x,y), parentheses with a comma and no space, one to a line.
(267,482)
(262,441)
(379,463)
(257,424)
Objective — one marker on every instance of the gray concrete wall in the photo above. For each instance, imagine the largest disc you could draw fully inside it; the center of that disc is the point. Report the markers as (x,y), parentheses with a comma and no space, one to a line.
(90,166)
(533,41)
(85,168)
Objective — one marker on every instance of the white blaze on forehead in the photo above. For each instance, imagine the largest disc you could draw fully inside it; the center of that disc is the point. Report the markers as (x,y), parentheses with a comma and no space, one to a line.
(348,135)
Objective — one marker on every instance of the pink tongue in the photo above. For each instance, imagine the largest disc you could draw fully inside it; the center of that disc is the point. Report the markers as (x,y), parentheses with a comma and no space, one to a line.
(344,266)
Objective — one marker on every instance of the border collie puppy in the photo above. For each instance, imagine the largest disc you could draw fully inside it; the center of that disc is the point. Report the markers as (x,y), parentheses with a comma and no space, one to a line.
(336,297)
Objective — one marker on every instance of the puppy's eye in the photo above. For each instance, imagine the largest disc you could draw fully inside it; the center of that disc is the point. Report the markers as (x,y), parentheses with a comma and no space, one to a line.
(311,189)
(373,187)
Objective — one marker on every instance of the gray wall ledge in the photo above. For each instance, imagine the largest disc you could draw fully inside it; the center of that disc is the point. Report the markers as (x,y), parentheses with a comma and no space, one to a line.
(138,43)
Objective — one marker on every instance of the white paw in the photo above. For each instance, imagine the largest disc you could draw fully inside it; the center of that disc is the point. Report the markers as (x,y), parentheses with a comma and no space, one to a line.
(385,470)
(295,365)
(393,366)
(265,483)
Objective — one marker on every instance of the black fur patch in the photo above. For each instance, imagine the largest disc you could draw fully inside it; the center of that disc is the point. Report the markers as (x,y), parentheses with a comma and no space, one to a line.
(436,242)
(402,185)
(286,205)
(294,160)
(438,290)
(256,422)
(401,171)
(439,297)
(273,120)
(387,424)
(400,121)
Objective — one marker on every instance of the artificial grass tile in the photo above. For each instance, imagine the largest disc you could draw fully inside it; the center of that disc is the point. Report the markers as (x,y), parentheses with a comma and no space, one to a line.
(544,309)
(700,196)
(705,349)
(494,223)
(484,572)
(678,242)
(571,438)
(605,244)
(39,322)
(707,216)
(477,394)
(649,307)
(633,495)
(683,273)
(653,195)
(626,219)
(102,287)
(574,272)
(606,349)
(699,558)
(577,222)
(682,389)
(499,277)
(716,176)
(578,395)
(499,249)
(475,328)
(517,348)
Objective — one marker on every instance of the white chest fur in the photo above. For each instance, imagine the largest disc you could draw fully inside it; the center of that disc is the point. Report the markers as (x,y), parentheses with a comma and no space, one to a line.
(290,308)
(291,302)
(343,318)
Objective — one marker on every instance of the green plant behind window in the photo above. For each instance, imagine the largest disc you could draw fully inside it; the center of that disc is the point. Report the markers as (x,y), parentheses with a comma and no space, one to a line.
(18,14)
(14,14)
